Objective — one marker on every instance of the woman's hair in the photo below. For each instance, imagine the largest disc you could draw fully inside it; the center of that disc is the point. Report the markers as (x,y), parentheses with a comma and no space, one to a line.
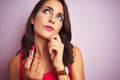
(65,34)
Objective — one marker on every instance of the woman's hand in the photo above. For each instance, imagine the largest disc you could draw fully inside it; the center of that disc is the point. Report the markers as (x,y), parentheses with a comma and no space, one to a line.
(32,68)
(56,48)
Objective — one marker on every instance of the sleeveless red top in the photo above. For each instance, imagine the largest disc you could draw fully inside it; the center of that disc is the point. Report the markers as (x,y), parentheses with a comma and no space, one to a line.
(48,76)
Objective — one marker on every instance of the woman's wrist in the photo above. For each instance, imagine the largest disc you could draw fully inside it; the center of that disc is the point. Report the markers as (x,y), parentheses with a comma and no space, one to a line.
(62,72)
(60,68)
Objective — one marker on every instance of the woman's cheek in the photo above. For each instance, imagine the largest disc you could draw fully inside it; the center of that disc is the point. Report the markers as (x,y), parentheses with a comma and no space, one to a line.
(59,29)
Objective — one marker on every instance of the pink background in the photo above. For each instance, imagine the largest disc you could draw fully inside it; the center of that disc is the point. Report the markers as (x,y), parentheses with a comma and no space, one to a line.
(95,30)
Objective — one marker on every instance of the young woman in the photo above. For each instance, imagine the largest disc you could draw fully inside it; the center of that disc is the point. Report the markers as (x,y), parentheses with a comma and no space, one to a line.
(46,52)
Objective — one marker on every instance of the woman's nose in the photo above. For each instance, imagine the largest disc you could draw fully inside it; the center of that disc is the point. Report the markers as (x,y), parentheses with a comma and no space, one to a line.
(52,20)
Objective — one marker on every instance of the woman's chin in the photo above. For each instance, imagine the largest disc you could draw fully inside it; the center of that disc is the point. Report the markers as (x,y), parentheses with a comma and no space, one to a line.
(47,37)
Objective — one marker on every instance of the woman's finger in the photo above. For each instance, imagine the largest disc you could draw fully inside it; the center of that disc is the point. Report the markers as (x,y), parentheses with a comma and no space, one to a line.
(54,42)
(34,64)
(28,60)
(39,68)
(56,37)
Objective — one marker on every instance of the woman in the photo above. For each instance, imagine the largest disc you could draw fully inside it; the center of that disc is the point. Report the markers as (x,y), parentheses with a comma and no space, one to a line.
(52,56)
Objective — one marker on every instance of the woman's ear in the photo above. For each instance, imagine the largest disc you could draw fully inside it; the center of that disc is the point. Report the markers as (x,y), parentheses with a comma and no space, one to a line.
(32,20)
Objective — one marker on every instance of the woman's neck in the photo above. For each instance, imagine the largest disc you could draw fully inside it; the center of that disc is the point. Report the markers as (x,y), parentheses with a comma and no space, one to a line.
(42,53)
(41,45)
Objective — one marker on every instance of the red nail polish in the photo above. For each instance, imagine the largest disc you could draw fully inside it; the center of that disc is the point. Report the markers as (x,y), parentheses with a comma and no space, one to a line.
(33,47)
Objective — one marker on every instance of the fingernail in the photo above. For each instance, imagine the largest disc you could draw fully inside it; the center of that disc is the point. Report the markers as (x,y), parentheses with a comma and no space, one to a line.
(33,47)
(30,53)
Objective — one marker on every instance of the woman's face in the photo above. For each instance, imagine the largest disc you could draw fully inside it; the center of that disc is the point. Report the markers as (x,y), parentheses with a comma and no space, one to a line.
(49,19)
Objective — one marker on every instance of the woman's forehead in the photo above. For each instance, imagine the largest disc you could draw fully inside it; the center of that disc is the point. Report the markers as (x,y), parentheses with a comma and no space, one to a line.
(55,4)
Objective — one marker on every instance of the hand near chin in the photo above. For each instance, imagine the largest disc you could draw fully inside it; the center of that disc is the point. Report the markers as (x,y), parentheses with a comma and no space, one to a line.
(56,48)
(32,68)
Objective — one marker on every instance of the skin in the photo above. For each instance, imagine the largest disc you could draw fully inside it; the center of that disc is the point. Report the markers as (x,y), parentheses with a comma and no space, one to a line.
(49,47)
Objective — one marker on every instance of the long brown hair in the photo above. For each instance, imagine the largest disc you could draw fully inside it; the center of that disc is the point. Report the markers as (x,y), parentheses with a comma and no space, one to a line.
(65,34)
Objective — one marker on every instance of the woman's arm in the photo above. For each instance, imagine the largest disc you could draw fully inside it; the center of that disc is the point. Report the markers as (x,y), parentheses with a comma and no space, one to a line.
(13,68)
(77,66)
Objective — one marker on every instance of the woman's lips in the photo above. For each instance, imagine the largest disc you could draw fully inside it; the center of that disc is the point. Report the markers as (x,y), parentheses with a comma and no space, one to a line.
(49,28)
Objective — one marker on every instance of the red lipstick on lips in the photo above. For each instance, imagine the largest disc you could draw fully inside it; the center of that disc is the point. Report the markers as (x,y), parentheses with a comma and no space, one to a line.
(49,28)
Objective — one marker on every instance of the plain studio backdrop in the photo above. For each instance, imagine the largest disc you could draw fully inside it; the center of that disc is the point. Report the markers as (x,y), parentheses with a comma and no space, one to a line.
(95,30)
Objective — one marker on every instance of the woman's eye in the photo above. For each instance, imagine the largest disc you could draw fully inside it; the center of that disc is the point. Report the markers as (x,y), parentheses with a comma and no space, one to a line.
(60,17)
(46,11)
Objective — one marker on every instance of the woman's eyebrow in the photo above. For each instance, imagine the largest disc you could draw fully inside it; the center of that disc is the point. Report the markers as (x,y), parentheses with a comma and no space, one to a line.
(49,7)
(61,14)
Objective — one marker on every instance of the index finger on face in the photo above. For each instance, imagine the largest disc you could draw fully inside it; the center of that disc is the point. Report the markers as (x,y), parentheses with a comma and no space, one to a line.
(56,37)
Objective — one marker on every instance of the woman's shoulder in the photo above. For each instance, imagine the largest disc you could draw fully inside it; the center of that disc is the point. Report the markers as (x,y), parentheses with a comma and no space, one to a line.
(76,51)
(77,66)
(14,60)
(13,67)
(78,59)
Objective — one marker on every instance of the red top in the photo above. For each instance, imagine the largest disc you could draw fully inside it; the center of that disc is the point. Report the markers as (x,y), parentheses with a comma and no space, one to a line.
(48,76)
